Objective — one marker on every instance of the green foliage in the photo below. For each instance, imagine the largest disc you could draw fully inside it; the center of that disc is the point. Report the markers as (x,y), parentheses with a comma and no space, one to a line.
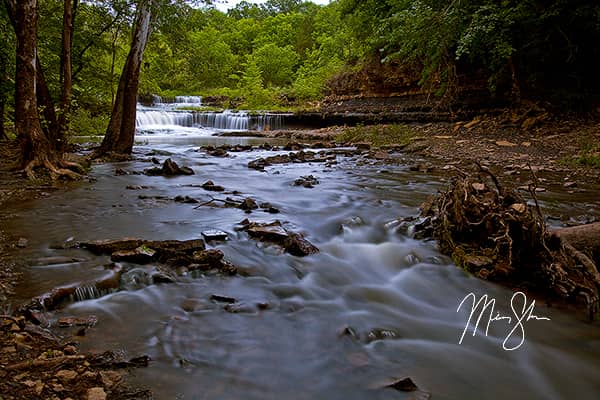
(276,63)
(83,123)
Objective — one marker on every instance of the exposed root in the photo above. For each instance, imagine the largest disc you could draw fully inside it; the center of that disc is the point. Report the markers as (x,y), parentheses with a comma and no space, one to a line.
(56,170)
(491,232)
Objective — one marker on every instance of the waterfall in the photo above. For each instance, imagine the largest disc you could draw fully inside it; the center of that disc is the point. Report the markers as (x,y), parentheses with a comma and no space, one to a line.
(177,100)
(145,118)
(90,292)
(165,112)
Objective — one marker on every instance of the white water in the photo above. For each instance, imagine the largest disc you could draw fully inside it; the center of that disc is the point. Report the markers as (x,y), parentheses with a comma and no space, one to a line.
(366,276)
(164,116)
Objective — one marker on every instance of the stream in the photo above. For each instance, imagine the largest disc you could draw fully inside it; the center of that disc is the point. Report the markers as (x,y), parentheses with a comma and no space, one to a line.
(371,307)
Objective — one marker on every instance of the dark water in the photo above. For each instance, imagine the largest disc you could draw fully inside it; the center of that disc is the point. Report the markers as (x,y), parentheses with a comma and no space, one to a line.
(366,277)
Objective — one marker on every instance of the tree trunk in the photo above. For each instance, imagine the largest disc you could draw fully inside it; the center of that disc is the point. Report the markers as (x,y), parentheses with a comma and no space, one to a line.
(3,135)
(36,148)
(585,238)
(66,73)
(4,78)
(121,129)
(44,99)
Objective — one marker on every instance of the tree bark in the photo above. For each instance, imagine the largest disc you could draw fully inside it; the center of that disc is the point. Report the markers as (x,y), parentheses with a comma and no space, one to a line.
(36,148)
(121,129)
(3,135)
(44,99)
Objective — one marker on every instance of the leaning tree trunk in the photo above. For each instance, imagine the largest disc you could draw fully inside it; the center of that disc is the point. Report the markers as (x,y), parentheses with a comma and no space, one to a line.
(36,148)
(121,129)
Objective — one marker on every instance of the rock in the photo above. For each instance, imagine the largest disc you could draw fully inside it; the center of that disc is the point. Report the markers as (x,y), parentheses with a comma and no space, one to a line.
(505,143)
(66,375)
(363,146)
(169,168)
(297,245)
(222,299)
(111,245)
(214,234)
(519,207)
(570,184)
(163,276)
(307,181)
(185,199)
(425,168)
(404,385)
(248,204)
(209,185)
(291,242)
(381,334)
(96,393)
(218,152)
(239,308)
(192,304)
(293,146)
(140,255)
(271,232)
(65,322)
(110,378)
(22,243)
(135,187)
(258,164)
(121,171)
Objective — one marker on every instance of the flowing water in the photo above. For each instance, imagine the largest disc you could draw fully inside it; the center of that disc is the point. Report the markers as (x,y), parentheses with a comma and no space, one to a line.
(395,297)
(172,115)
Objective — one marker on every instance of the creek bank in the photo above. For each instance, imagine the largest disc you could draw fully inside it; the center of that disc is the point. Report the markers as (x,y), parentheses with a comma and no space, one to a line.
(494,233)
(36,364)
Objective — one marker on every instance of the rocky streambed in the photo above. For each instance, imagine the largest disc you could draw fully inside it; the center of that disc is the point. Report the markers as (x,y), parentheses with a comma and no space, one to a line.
(277,272)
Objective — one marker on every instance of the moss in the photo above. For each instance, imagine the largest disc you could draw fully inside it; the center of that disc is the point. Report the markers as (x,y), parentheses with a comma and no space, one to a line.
(379,135)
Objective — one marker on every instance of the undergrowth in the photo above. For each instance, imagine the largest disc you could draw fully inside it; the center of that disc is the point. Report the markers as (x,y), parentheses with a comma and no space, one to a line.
(378,135)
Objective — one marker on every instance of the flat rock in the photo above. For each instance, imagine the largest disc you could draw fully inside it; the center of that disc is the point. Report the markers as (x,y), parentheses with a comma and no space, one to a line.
(274,232)
(66,375)
(96,393)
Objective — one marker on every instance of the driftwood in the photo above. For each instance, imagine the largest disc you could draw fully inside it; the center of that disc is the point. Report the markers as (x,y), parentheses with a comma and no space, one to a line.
(493,232)
(44,363)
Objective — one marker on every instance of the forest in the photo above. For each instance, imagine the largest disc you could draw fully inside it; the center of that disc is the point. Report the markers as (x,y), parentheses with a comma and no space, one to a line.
(289,54)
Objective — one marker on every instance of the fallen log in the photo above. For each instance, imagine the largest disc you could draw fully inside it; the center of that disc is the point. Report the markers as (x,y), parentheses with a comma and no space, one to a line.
(585,238)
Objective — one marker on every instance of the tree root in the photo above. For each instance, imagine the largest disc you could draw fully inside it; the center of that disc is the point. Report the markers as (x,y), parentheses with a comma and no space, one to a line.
(56,170)
(490,231)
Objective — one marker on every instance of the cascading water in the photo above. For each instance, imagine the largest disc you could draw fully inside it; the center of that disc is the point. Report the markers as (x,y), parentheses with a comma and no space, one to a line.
(166,114)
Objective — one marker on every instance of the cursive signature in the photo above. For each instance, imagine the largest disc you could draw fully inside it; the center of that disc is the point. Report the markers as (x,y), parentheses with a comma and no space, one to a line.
(484,310)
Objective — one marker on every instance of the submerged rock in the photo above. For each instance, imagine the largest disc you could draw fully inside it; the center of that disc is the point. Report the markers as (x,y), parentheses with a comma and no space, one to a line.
(210,186)
(307,181)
